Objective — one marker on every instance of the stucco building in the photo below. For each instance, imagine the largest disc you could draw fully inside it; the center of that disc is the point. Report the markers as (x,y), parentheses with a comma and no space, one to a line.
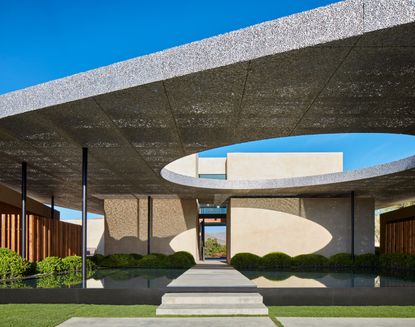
(343,68)
(292,224)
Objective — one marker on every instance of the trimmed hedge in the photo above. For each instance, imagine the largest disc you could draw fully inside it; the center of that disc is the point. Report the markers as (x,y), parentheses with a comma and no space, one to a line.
(153,260)
(397,261)
(12,265)
(367,260)
(50,265)
(245,261)
(179,260)
(341,260)
(73,264)
(275,260)
(310,261)
(120,260)
(278,260)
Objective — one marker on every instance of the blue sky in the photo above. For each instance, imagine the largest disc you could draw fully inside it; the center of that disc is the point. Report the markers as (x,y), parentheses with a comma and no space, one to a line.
(48,39)
(45,40)
(359,150)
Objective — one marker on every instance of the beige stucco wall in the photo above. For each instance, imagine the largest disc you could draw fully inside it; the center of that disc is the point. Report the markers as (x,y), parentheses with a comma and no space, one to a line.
(251,166)
(212,165)
(187,166)
(125,226)
(95,237)
(299,226)
(173,226)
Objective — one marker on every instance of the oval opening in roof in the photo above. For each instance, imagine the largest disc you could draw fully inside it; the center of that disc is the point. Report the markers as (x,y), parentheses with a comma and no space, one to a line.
(291,157)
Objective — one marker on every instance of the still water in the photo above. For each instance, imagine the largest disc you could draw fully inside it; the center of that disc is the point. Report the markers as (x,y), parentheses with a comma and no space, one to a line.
(104,278)
(159,278)
(329,279)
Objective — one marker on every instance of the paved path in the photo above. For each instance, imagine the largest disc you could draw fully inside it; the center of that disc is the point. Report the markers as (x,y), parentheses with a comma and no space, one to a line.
(212,275)
(170,322)
(347,322)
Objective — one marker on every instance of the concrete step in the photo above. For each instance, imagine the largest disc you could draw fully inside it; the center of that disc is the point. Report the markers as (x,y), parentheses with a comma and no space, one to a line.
(211,298)
(212,309)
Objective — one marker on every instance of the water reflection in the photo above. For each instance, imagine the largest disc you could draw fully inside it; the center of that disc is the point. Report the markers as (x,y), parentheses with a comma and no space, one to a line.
(103,278)
(134,278)
(328,279)
(159,278)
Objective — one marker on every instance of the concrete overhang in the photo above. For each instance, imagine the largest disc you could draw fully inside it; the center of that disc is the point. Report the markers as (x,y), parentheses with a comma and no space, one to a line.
(347,67)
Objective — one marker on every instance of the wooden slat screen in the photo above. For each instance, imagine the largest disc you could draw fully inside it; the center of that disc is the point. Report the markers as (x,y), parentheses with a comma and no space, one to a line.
(399,236)
(44,238)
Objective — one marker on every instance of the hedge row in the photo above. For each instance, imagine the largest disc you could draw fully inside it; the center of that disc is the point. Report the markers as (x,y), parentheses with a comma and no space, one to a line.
(279,260)
(179,260)
(13,266)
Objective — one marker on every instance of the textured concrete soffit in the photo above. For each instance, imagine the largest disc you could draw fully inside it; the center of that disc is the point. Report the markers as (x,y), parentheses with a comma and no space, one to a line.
(341,20)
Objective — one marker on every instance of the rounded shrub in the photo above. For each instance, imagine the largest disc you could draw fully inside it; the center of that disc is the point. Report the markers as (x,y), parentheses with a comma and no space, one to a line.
(50,265)
(310,261)
(366,260)
(275,260)
(245,261)
(12,265)
(341,260)
(181,259)
(73,264)
(153,261)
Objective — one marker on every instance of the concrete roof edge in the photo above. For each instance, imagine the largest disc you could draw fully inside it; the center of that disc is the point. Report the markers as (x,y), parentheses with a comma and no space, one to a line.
(273,184)
(341,20)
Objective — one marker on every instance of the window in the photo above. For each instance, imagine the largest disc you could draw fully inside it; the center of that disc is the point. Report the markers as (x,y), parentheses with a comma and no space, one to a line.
(213,176)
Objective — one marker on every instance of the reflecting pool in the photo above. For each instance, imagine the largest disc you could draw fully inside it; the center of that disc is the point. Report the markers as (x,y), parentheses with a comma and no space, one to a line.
(328,279)
(139,278)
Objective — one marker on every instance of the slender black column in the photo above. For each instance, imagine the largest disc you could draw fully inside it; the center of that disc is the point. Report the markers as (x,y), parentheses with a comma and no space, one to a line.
(23,215)
(352,220)
(52,207)
(84,212)
(149,222)
(203,239)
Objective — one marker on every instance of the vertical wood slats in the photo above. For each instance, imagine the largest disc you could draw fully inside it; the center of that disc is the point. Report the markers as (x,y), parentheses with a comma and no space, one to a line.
(399,236)
(44,238)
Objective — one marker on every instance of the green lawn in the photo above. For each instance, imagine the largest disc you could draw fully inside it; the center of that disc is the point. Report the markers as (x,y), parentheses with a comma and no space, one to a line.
(44,315)
(352,311)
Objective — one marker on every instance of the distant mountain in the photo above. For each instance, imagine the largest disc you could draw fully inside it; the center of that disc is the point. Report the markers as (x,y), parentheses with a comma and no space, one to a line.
(220,236)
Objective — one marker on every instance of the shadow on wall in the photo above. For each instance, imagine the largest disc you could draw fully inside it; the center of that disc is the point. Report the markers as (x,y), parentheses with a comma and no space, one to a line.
(299,226)
(165,245)
(173,226)
(131,244)
(101,245)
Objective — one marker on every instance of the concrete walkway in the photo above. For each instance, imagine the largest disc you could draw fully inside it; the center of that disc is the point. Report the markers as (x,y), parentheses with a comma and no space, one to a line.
(212,275)
(170,322)
(347,322)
